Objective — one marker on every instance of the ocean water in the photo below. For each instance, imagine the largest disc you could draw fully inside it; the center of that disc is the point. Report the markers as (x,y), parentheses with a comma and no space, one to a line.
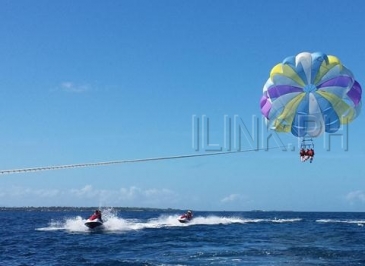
(57,236)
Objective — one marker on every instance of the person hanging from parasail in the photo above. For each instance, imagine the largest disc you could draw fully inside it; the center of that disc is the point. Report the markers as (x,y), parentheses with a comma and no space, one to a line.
(310,154)
(302,154)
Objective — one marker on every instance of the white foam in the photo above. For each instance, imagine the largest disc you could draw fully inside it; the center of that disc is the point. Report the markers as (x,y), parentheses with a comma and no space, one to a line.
(358,222)
(114,223)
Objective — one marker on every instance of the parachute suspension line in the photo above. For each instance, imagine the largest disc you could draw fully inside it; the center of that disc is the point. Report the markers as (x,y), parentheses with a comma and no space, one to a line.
(307,143)
(82,165)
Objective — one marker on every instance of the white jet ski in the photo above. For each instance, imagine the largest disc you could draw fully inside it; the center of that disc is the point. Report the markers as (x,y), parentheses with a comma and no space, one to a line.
(93,223)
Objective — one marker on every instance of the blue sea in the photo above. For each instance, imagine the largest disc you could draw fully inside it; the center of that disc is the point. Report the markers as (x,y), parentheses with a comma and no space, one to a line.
(58,236)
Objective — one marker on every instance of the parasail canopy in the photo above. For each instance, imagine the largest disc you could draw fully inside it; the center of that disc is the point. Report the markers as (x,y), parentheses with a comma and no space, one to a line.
(309,94)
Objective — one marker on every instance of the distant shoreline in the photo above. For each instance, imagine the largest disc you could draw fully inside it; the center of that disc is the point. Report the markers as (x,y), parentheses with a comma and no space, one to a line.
(149,209)
(67,208)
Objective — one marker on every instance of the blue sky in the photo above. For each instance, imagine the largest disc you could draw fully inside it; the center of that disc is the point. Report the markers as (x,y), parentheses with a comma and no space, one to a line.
(91,81)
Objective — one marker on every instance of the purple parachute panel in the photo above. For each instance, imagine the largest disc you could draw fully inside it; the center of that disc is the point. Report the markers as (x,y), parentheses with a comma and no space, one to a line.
(355,93)
(280,90)
(265,106)
(341,81)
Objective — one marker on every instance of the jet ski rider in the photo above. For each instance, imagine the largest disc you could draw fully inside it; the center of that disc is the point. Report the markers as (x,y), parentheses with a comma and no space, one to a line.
(96,215)
(189,215)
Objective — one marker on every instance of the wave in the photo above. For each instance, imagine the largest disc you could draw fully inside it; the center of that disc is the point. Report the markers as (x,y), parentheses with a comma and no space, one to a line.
(212,220)
(114,223)
(346,221)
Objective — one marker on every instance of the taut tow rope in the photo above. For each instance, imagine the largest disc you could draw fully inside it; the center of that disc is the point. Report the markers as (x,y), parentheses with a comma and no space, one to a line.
(81,165)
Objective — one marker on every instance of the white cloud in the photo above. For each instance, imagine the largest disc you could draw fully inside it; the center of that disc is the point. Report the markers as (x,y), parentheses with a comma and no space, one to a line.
(146,197)
(87,191)
(355,196)
(129,193)
(233,198)
(25,192)
(132,196)
(72,87)
(235,202)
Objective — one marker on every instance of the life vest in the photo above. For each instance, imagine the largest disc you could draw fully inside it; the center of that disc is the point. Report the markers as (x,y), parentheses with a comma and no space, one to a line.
(95,216)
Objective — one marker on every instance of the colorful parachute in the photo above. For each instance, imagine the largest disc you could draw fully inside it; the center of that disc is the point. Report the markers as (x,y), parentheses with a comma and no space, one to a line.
(309,94)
